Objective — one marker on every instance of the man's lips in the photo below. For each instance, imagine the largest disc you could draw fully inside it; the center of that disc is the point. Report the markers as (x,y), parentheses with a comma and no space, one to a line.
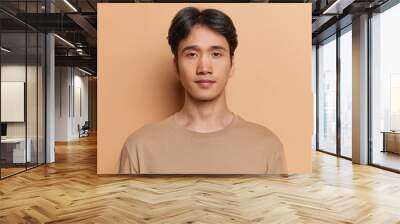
(204,81)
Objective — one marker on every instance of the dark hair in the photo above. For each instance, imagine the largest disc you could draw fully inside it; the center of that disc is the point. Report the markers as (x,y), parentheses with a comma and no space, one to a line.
(188,17)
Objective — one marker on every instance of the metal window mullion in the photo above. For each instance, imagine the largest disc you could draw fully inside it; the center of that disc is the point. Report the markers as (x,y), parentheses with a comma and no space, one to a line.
(37,91)
(45,95)
(317,97)
(369,90)
(338,92)
(26,86)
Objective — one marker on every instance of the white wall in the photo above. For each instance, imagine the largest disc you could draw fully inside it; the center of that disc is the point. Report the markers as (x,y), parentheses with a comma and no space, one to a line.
(62,80)
(9,73)
(12,73)
(79,117)
(71,93)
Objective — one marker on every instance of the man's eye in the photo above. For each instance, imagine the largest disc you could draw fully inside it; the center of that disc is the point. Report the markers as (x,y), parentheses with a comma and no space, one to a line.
(216,54)
(191,54)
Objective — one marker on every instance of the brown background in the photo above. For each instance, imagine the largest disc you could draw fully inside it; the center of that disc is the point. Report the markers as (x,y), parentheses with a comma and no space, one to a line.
(271,85)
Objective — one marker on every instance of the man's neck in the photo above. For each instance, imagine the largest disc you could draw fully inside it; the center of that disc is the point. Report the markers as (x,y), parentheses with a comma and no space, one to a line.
(204,116)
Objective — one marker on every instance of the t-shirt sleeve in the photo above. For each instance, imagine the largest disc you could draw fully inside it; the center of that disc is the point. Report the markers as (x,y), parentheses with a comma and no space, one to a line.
(128,160)
(277,164)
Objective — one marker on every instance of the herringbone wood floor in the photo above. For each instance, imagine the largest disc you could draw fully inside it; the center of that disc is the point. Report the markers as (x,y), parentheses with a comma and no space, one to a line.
(69,191)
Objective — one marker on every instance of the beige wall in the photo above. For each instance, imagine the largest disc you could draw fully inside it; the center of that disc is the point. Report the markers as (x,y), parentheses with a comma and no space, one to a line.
(271,85)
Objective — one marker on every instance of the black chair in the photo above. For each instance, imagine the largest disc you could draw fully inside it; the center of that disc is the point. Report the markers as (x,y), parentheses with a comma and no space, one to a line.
(84,130)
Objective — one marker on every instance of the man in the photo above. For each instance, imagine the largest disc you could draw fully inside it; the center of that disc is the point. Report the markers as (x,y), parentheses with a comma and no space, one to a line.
(204,137)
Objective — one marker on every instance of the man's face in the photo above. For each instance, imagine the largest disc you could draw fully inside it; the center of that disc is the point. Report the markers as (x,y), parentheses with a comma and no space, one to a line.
(204,64)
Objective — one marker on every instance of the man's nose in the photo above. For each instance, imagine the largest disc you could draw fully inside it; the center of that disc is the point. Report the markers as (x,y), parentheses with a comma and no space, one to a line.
(204,65)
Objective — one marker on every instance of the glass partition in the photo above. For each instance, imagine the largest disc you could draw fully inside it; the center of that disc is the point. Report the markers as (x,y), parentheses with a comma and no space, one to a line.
(13,95)
(327,95)
(385,89)
(32,95)
(22,77)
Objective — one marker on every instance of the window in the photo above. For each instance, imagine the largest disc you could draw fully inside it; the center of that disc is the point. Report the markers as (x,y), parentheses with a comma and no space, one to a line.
(327,95)
(385,88)
(346,93)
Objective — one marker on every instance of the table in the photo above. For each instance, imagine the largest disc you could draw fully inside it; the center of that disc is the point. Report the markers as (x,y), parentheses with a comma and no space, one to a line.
(391,141)
(13,150)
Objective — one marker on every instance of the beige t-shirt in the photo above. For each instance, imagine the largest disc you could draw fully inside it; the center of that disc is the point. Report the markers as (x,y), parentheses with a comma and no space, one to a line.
(166,147)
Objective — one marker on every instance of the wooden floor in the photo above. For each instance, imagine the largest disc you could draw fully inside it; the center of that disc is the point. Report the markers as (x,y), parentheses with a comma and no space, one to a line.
(5,172)
(388,159)
(69,191)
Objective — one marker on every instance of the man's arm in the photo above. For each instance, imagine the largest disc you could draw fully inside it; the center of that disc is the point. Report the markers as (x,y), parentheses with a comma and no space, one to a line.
(128,161)
(277,163)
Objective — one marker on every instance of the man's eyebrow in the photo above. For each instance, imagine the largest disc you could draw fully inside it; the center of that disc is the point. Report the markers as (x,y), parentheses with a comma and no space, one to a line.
(190,47)
(195,47)
(218,47)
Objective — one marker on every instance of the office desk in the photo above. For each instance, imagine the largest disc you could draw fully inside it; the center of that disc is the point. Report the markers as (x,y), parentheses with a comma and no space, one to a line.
(13,150)
(391,141)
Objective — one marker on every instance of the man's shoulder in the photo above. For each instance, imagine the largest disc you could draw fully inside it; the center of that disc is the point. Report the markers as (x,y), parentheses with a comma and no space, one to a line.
(260,133)
(148,132)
